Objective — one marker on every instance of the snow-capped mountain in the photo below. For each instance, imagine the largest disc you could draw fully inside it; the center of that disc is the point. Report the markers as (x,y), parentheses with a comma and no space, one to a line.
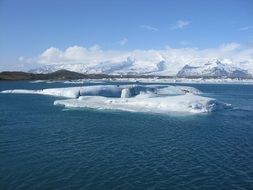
(129,66)
(214,69)
(103,67)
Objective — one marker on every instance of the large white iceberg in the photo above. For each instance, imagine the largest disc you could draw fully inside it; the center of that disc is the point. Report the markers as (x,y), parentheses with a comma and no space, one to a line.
(137,98)
(146,103)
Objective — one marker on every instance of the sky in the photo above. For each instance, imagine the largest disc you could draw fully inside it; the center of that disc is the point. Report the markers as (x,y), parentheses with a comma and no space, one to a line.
(28,28)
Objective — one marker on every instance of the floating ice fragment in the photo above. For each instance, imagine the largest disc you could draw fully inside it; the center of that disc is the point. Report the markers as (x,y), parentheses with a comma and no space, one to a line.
(125,93)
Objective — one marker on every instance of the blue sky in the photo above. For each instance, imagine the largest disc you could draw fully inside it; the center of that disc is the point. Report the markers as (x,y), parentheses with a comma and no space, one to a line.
(29,27)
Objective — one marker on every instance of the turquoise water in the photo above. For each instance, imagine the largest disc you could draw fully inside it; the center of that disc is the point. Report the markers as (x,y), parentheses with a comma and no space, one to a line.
(43,146)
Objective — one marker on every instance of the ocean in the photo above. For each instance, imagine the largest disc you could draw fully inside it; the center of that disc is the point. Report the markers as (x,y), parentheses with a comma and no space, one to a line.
(43,146)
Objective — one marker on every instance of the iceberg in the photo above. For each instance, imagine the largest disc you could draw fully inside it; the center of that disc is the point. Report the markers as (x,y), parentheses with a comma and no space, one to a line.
(147,103)
(109,90)
(73,92)
(62,92)
(135,98)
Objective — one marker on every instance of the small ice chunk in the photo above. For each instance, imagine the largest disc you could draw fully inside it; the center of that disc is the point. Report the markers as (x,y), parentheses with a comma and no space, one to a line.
(125,93)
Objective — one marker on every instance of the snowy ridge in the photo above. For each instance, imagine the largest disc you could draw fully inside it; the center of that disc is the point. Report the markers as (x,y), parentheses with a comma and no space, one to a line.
(129,66)
(214,69)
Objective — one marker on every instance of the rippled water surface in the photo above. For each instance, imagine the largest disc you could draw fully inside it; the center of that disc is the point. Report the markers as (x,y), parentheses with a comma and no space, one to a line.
(47,147)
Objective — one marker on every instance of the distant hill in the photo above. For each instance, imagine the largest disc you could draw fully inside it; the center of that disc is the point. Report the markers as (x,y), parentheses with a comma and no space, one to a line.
(57,75)
(15,75)
(65,75)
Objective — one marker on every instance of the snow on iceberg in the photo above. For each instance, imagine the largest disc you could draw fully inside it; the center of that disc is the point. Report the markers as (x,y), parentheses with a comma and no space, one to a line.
(147,103)
(73,92)
(62,92)
(137,98)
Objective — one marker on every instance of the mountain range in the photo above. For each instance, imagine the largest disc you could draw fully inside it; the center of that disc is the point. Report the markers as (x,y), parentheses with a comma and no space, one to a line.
(213,70)
(210,69)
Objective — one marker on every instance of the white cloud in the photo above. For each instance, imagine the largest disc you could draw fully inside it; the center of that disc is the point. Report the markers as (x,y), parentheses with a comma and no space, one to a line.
(21,58)
(185,43)
(246,28)
(150,28)
(229,47)
(79,54)
(175,58)
(123,41)
(180,24)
